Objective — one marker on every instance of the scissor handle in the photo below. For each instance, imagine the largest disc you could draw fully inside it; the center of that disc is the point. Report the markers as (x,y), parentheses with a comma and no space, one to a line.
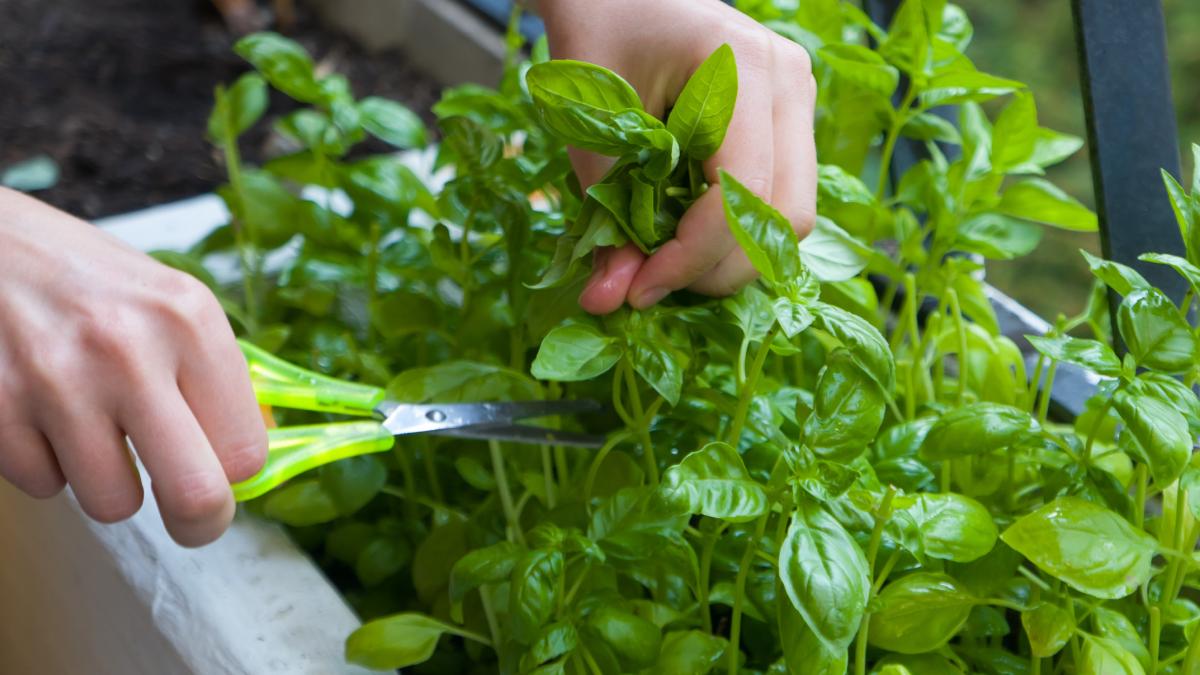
(285,385)
(293,450)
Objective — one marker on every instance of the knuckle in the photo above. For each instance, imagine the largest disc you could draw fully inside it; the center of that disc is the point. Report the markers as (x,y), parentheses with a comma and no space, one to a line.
(112,337)
(246,458)
(111,506)
(803,222)
(795,58)
(197,497)
(189,303)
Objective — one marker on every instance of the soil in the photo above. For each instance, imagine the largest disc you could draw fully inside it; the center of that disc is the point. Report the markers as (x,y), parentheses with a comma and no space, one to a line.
(118,92)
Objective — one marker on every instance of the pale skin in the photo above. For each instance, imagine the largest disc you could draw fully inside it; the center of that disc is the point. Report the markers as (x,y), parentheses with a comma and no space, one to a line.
(99,342)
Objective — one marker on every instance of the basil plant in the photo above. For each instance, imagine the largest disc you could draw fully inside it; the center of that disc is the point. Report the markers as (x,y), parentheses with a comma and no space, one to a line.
(845,467)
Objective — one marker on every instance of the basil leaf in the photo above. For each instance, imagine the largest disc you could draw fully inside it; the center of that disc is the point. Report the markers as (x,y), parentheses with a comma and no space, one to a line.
(1156,334)
(575,351)
(1015,132)
(635,641)
(803,651)
(488,565)
(1161,432)
(928,126)
(655,357)
(236,110)
(1048,628)
(713,481)
(763,233)
(841,187)
(919,613)
(465,381)
(284,64)
(635,523)
(848,409)
(557,639)
(997,237)
(690,652)
(860,67)
(1091,548)
(1089,354)
(534,584)
(831,253)
(580,103)
(975,429)
(391,122)
(948,526)
(1121,278)
(1040,201)
(1187,270)
(301,503)
(396,641)
(863,340)
(1102,656)
(824,574)
(1117,627)
(702,112)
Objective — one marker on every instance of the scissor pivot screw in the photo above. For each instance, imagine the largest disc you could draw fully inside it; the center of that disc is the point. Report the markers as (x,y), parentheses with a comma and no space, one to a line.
(435,416)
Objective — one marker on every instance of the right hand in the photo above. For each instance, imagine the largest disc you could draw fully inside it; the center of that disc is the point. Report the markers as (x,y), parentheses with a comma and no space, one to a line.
(99,342)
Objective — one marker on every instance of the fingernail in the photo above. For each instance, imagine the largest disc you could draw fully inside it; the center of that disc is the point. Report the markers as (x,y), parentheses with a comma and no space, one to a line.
(650,296)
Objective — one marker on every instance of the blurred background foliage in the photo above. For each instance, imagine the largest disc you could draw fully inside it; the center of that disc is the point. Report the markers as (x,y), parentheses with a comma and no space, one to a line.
(1034,41)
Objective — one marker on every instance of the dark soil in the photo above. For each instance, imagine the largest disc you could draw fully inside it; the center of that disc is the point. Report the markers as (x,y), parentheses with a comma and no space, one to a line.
(118,93)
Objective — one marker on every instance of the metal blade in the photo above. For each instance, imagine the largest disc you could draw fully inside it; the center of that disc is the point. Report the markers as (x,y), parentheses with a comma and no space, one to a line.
(410,418)
(519,433)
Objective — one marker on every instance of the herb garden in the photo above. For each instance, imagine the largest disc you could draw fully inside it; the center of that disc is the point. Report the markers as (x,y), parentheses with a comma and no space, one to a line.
(843,468)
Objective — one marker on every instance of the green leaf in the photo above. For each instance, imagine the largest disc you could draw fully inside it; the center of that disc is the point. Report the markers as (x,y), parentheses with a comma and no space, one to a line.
(1187,270)
(580,102)
(689,652)
(997,237)
(1040,201)
(1187,210)
(863,340)
(751,310)
(838,185)
(300,503)
(831,253)
(1089,354)
(928,126)
(949,526)
(575,351)
(655,356)
(237,108)
(1049,148)
(763,233)
(391,122)
(848,409)
(1103,656)
(397,641)
(1117,627)
(489,565)
(635,641)
(1091,548)
(353,482)
(284,64)
(1048,628)
(382,558)
(1155,333)
(1121,278)
(860,67)
(535,581)
(961,86)
(713,481)
(702,112)
(556,640)
(1015,133)
(975,429)
(634,523)
(1163,440)
(803,651)
(462,381)
(919,613)
(825,574)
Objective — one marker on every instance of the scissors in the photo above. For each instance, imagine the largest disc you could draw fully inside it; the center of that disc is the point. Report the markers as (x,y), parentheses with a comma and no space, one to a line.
(294,450)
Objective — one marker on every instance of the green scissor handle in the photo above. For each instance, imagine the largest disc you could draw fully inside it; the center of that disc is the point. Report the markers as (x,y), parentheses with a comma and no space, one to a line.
(294,450)
(282,384)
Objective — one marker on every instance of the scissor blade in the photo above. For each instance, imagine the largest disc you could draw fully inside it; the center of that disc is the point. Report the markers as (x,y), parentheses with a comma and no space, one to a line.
(411,418)
(520,433)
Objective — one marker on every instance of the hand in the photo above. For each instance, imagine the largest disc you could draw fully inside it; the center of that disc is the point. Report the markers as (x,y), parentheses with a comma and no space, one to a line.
(769,146)
(99,342)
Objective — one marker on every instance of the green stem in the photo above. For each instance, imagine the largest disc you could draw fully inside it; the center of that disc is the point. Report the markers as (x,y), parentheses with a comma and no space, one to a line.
(410,481)
(1044,405)
(643,426)
(243,229)
(746,394)
(510,513)
(594,469)
(485,597)
(373,285)
(1155,635)
(961,328)
(706,554)
(548,477)
(735,624)
(882,514)
(889,144)
(1191,662)
(1139,498)
(427,458)
(1092,433)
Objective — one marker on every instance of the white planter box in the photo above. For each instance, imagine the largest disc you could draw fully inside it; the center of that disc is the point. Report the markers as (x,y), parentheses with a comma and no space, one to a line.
(78,597)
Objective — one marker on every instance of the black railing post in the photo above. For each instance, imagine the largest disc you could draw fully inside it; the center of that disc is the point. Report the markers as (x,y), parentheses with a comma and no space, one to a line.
(1131,131)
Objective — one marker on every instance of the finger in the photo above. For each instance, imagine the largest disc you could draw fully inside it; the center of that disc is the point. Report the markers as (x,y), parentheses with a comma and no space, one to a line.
(613,270)
(703,238)
(795,171)
(27,461)
(216,386)
(189,483)
(95,460)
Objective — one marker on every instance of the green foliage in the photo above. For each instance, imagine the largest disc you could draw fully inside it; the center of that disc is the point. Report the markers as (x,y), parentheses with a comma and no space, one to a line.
(810,476)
